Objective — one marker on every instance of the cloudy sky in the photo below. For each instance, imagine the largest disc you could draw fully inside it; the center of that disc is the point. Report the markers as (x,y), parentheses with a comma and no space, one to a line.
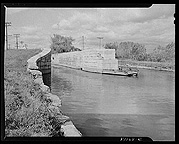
(150,26)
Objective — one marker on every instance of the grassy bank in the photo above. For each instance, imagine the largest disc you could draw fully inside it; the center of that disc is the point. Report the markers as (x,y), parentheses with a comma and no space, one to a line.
(26,112)
(167,66)
(17,59)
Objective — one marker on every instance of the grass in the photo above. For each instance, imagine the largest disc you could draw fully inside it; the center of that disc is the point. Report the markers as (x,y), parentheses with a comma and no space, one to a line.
(26,111)
(26,106)
(17,59)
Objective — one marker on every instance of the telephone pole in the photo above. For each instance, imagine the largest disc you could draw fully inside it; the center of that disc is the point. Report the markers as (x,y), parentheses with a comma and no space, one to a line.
(83,42)
(17,36)
(8,38)
(6,25)
(100,38)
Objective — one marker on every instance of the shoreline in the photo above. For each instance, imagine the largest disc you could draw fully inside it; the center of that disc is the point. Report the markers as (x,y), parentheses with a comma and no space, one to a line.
(66,126)
(152,68)
(158,66)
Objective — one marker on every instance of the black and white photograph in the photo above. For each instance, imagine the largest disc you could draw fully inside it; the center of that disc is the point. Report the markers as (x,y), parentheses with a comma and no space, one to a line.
(89,72)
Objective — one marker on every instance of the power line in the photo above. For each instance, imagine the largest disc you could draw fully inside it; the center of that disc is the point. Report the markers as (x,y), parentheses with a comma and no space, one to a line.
(6,25)
(17,36)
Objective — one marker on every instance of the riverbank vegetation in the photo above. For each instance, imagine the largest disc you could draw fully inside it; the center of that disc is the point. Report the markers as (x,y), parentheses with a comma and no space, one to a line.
(60,44)
(26,112)
(135,54)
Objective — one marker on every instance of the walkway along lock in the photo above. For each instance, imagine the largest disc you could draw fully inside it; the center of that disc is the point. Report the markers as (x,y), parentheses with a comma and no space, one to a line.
(67,128)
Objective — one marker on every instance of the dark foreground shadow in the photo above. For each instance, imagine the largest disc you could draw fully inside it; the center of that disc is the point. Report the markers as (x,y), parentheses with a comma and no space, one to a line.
(47,79)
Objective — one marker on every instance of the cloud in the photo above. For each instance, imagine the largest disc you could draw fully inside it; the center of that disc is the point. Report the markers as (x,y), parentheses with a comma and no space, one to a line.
(15,10)
(118,15)
(115,15)
(30,29)
(145,25)
(55,26)
(157,11)
(36,37)
(77,20)
(101,29)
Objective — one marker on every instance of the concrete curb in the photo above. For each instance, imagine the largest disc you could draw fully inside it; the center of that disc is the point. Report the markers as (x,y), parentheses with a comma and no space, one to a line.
(67,127)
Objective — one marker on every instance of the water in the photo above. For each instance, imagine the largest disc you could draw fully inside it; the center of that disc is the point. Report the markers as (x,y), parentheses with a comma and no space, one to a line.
(106,105)
(47,79)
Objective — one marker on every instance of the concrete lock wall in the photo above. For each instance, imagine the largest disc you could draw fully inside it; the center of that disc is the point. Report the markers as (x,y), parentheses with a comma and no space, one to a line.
(91,59)
(110,64)
(71,59)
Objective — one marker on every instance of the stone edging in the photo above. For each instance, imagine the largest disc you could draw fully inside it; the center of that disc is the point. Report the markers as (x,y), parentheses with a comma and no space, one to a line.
(67,127)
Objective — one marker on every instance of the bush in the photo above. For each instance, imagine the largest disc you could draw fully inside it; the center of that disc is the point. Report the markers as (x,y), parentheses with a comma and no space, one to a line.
(128,50)
(26,112)
(163,54)
(136,51)
(62,44)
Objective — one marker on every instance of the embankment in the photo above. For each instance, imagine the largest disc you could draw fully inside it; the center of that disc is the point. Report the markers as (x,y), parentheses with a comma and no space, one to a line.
(63,122)
(22,96)
(17,59)
(161,66)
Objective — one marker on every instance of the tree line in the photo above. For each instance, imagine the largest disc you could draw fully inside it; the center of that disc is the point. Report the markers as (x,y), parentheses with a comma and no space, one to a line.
(137,51)
(123,50)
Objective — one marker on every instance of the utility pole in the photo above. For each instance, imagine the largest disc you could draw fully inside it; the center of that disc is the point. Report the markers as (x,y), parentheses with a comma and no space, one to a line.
(100,38)
(6,25)
(83,42)
(8,40)
(17,36)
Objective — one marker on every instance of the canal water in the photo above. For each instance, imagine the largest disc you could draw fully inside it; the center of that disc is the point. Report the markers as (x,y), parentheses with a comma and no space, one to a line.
(107,105)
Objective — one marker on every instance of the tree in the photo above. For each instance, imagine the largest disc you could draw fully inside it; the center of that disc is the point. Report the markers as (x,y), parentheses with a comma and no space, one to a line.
(128,50)
(21,42)
(170,51)
(61,44)
(138,52)
(162,54)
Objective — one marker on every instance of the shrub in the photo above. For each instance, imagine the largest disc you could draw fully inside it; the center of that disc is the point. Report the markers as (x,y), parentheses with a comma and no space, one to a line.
(136,51)
(26,112)
(60,44)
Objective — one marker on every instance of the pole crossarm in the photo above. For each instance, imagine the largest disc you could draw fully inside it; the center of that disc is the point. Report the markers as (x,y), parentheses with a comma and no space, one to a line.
(7,23)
